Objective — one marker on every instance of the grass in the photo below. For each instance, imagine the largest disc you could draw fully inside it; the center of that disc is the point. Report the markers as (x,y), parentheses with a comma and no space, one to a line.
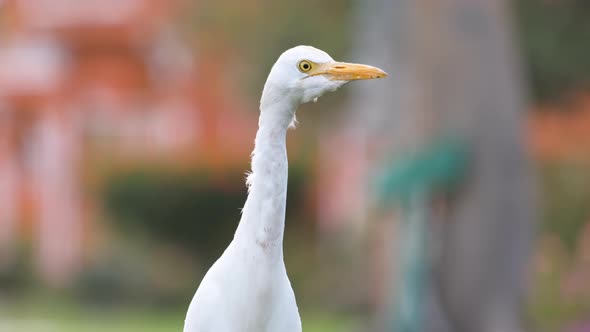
(70,317)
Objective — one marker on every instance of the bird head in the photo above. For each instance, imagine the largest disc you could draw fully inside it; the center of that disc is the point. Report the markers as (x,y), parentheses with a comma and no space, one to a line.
(305,73)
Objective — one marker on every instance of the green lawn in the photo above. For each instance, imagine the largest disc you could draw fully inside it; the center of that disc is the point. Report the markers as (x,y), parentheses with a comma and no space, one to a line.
(61,317)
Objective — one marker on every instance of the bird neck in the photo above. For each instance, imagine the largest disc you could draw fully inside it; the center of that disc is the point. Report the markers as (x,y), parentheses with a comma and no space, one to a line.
(263,216)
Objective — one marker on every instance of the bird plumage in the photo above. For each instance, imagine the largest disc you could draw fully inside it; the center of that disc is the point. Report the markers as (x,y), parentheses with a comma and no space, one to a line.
(247,289)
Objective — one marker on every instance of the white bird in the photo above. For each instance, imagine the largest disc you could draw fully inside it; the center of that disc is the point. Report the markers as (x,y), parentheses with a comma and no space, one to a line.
(247,289)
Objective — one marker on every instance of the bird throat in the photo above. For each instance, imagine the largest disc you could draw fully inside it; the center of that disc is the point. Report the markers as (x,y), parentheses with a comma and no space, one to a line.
(263,216)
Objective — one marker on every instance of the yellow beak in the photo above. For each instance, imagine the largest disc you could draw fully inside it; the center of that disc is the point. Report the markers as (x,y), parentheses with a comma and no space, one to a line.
(342,71)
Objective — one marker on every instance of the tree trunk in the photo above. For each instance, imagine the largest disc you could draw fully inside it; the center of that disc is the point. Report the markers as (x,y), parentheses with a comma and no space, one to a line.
(453,69)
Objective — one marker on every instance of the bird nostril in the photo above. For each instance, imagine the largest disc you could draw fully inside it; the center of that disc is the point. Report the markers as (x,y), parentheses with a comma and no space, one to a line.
(340,67)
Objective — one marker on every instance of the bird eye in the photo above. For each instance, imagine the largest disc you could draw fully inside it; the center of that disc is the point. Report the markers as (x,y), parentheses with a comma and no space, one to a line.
(304,66)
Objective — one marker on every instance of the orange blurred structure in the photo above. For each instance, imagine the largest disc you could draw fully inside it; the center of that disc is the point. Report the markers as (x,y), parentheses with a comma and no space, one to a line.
(562,132)
(81,78)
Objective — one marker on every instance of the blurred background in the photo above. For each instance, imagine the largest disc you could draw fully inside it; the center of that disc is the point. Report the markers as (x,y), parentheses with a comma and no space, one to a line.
(126,128)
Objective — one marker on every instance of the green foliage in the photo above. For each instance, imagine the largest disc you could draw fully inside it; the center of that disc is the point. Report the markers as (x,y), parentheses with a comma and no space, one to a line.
(554,37)
(18,274)
(553,304)
(566,191)
(189,210)
(117,281)
(257,32)
(195,211)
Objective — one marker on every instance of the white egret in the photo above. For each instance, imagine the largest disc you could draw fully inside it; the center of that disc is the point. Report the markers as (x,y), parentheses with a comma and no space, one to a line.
(247,289)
